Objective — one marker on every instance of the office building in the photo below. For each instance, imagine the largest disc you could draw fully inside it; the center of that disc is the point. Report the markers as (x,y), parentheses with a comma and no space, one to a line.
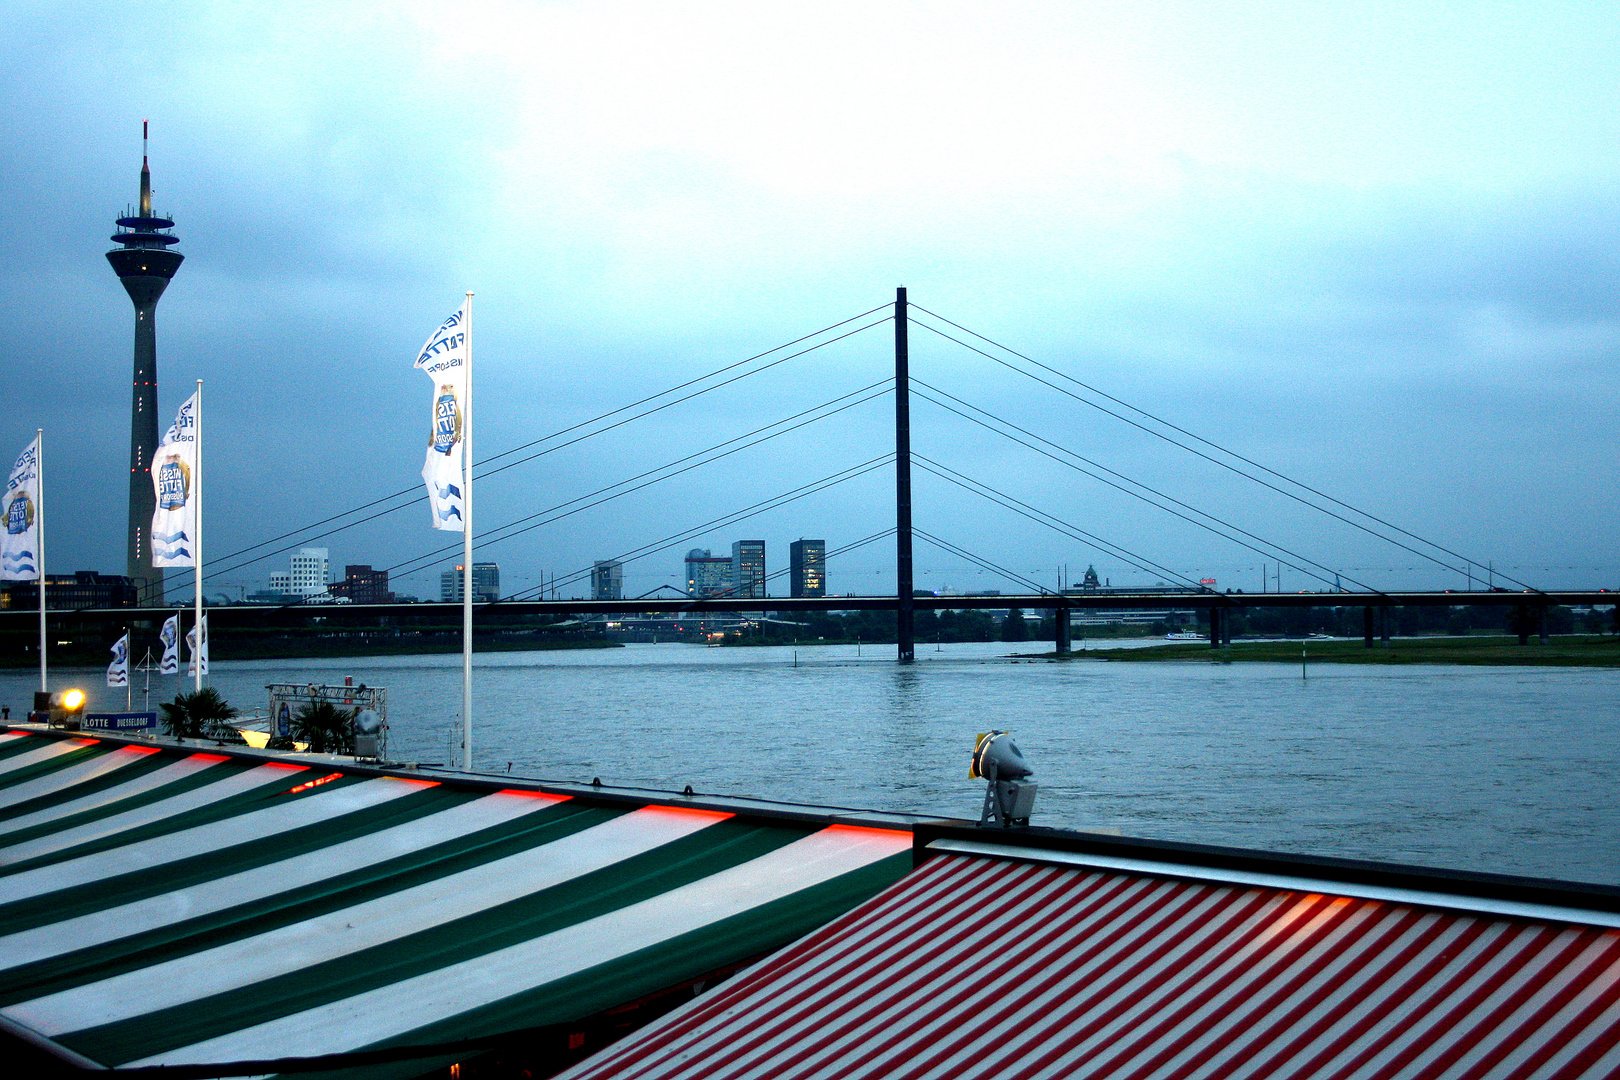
(748,569)
(607,580)
(309,573)
(363,585)
(807,568)
(706,574)
(486,583)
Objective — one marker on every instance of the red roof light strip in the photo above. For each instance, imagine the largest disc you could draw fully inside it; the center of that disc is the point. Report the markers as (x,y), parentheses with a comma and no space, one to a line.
(317,782)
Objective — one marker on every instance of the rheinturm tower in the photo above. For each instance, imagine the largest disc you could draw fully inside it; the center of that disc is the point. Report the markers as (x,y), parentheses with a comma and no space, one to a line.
(144,262)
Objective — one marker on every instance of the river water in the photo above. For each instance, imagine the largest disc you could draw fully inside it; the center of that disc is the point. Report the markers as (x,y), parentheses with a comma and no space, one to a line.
(1511,770)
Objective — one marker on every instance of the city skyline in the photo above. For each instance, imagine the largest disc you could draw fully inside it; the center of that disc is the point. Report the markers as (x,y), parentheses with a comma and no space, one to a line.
(1267,244)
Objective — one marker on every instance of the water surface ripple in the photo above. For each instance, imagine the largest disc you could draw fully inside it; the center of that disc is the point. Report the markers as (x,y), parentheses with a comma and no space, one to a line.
(1502,769)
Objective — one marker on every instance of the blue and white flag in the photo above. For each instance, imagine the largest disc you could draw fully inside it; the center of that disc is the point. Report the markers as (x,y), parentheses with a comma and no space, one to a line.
(19,535)
(118,670)
(197,651)
(174,478)
(170,636)
(444,360)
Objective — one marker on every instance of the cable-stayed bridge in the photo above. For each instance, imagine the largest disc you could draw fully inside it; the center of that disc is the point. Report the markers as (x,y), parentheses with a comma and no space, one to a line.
(902,386)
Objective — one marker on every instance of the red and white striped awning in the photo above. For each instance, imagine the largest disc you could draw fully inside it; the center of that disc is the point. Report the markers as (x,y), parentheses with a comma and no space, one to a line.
(1021,963)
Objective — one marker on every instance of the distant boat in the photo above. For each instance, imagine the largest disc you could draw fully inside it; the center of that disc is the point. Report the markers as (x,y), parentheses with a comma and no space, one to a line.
(1186,635)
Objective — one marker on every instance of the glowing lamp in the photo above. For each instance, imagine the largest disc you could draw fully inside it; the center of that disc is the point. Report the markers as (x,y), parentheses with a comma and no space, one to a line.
(1009,794)
(67,709)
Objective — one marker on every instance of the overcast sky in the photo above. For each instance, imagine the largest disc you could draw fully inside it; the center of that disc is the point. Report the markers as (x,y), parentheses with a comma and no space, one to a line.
(1371,246)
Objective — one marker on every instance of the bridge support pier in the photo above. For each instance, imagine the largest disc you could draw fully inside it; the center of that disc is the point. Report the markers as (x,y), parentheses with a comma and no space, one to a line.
(1541,623)
(1367,626)
(1060,617)
(1520,623)
(1220,627)
(1383,628)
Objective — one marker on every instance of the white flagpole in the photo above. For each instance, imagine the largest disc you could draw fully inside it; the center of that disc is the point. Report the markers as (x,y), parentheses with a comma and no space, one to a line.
(466,556)
(129,684)
(196,543)
(39,493)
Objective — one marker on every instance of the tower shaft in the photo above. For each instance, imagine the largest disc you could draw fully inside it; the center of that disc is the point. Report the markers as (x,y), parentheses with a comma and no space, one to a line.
(143,439)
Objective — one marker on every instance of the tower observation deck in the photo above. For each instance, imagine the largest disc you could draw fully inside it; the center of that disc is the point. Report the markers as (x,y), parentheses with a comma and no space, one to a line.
(144,262)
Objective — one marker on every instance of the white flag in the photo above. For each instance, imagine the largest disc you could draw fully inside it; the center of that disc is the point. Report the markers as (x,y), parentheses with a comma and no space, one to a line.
(118,670)
(196,651)
(174,475)
(19,543)
(170,636)
(444,359)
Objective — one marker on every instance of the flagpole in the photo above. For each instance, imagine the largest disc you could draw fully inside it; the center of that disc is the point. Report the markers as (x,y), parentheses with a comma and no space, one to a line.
(196,544)
(466,556)
(129,684)
(39,493)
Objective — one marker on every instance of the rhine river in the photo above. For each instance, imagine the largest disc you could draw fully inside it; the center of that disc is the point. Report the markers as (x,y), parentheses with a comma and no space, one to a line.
(1513,770)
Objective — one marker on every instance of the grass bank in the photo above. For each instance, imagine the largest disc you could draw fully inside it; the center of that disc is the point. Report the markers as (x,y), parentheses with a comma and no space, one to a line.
(1574,650)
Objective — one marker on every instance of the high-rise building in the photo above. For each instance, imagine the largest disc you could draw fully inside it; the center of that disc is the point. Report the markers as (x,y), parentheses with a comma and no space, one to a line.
(607,580)
(748,569)
(706,574)
(310,570)
(145,265)
(807,568)
(486,583)
(363,585)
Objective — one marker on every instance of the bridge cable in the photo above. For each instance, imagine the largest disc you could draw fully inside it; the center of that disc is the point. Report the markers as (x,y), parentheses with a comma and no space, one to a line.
(490,536)
(784,571)
(415,488)
(712,374)
(677,401)
(986,564)
(1270,544)
(772,503)
(580,575)
(1206,457)
(1215,461)
(978,487)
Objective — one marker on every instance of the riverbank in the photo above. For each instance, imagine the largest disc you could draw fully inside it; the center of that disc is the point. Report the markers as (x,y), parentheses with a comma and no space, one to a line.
(250,645)
(1574,650)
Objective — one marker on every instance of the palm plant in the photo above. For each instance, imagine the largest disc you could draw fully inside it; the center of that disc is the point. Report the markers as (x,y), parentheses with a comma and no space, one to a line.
(202,714)
(325,727)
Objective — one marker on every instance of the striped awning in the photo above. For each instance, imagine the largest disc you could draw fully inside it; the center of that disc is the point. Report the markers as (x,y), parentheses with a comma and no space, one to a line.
(168,907)
(1012,963)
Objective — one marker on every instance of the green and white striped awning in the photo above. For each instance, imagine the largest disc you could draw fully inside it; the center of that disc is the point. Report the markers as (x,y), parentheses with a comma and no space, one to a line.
(160,906)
